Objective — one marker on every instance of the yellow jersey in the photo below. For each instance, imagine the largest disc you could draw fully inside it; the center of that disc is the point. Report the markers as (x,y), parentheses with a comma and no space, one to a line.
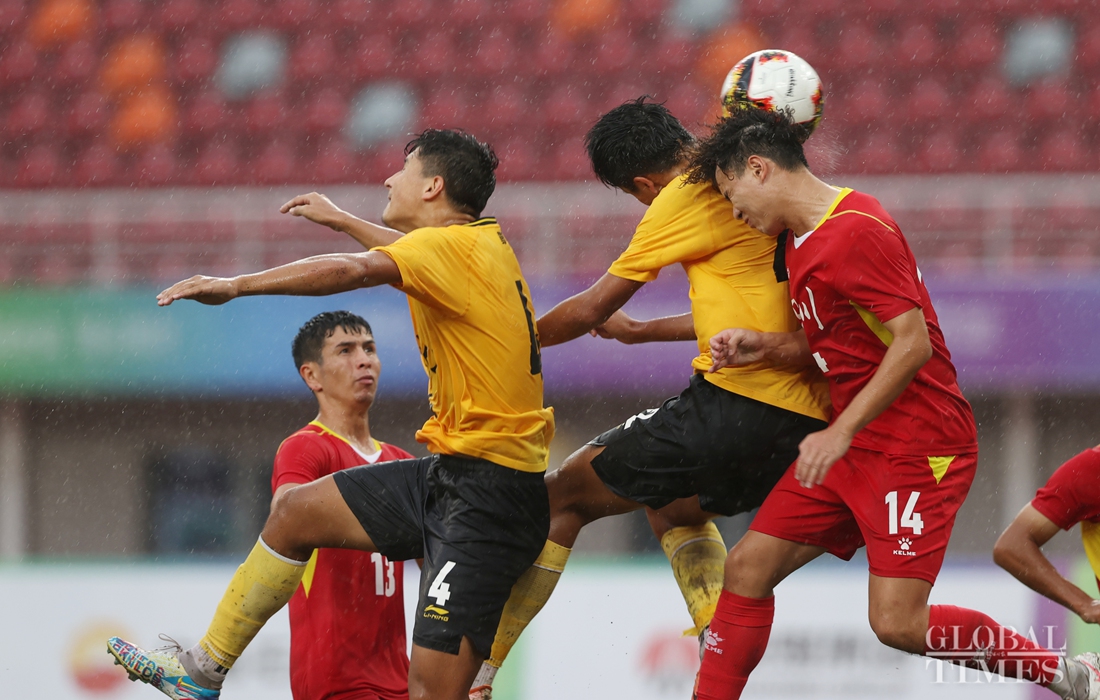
(475,327)
(731,269)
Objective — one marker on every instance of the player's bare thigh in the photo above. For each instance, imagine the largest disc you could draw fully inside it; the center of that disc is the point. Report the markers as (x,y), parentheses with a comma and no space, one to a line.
(436,675)
(759,562)
(312,516)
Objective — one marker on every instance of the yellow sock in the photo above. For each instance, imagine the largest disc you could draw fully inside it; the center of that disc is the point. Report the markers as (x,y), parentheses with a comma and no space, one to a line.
(530,593)
(261,586)
(698,558)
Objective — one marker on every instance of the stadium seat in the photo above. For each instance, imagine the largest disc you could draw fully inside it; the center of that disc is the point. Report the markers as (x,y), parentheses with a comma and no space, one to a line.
(355,15)
(120,16)
(97,165)
(293,15)
(1088,50)
(32,114)
(76,65)
(239,15)
(325,111)
(53,23)
(470,13)
(18,64)
(927,103)
(505,109)
(146,117)
(275,164)
(801,39)
(334,162)
(917,49)
(133,62)
(522,12)
(990,104)
(40,166)
(155,165)
(1001,152)
(977,45)
(265,114)
(565,108)
(1063,151)
(615,53)
(88,114)
(940,152)
(691,104)
(408,14)
(863,103)
(195,60)
(877,153)
(493,54)
(858,49)
(181,15)
(204,114)
(432,56)
(552,57)
(314,59)
(518,160)
(371,58)
(218,163)
(569,161)
(1049,103)
(443,109)
(13,13)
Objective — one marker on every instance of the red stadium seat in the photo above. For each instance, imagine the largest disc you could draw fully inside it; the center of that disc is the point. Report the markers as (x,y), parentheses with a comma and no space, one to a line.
(518,160)
(205,114)
(355,15)
(372,58)
(18,64)
(195,60)
(505,109)
(858,49)
(218,163)
(690,103)
(615,53)
(990,103)
(88,114)
(407,14)
(940,152)
(519,12)
(293,15)
(265,114)
(565,108)
(1088,50)
(881,7)
(276,164)
(470,13)
(96,166)
(239,15)
(1000,152)
(314,58)
(335,163)
(433,56)
(76,65)
(493,55)
(800,39)
(1063,151)
(977,46)
(325,112)
(877,154)
(445,109)
(156,165)
(570,161)
(866,102)
(32,114)
(928,103)
(125,15)
(917,49)
(12,15)
(181,15)
(1050,102)
(552,57)
(40,166)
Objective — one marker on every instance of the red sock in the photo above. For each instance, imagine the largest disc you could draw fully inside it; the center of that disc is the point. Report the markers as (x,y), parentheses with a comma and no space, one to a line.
(973,639)
(735,643)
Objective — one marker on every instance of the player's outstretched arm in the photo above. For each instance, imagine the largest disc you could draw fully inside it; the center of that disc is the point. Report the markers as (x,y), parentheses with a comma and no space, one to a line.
(582,312)
(908,351)
(319,209)
(628,330)
(1018,551)
(735,347)
(316,276)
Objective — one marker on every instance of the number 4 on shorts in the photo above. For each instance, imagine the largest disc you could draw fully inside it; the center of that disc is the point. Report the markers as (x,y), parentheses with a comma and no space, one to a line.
(440,589)
(909,518)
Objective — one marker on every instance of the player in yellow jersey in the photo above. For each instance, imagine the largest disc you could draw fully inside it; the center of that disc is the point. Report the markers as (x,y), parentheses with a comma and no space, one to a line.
(718,447)
(476,510)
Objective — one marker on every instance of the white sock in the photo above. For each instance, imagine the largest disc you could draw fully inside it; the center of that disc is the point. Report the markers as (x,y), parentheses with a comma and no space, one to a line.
(486,675)
(202,668)
(1064,682)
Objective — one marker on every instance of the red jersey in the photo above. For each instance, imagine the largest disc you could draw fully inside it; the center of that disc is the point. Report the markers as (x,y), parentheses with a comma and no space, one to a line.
(1072,494)
(347,618)
(848,276)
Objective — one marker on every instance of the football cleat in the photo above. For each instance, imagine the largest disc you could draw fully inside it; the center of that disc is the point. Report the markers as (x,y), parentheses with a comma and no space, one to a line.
(482,692)
(1083,674)
(160,669)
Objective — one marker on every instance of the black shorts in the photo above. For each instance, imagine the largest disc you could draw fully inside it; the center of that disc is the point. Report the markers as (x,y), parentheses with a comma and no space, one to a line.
(477,525)
(728,449)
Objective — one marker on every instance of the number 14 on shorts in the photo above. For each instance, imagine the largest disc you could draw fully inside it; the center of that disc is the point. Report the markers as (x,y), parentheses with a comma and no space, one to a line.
(909,517)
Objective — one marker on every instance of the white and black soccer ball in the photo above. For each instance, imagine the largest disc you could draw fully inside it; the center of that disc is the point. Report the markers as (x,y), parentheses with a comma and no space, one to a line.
(774,79)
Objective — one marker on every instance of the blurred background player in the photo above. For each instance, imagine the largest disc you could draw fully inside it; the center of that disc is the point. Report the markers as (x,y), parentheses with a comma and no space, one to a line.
(1070,496)
(899,455)
(718,447)
(347,618)
(476,510)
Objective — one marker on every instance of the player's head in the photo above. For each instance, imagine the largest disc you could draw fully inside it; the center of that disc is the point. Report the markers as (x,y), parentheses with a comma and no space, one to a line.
(745,157)
(336,358)
(443,167)
(635,143)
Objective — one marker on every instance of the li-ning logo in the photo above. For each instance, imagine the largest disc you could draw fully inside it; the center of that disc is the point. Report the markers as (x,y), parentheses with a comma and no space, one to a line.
(904,548)
(433,612)
(712,642)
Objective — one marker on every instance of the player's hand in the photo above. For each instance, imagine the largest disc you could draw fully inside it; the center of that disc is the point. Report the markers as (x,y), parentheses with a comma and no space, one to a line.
(734,347)
(817,453)
(317,208)
(1091,614)
(205,290)
(618,327)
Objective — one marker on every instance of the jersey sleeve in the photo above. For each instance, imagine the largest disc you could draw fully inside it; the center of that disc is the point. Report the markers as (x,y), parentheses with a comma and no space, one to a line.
(434,265)
(393,452)
(877,273)
(1072,493)
(299,460)
(676,228)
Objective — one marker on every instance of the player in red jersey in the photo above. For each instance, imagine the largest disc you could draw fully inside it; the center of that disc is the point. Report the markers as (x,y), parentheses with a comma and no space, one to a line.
(1070,496)
(347,618)
(898,457)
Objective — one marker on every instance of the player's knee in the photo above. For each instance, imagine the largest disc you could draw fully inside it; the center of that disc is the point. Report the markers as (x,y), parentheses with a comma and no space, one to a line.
(288,524)
(568,486)
(894,629)
(745,572)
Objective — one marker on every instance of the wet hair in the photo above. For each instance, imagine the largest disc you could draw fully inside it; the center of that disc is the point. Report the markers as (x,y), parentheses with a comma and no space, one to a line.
(466,165)
(748,131)
(636,139)
(313,333)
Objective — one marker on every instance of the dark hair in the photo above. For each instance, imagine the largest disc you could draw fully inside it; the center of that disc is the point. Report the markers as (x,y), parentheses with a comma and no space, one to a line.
(749,131)
(636,139)
(313,333)
(465,164)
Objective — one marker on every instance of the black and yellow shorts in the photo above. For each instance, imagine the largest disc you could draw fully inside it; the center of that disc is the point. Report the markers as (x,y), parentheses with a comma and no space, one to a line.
(476,524)
(728,449)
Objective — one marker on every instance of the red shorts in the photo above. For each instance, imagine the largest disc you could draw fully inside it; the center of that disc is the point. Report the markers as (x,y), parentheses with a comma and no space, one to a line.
(892,503)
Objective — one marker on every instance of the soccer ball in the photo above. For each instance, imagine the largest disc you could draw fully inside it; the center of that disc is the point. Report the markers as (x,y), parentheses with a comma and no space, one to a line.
(774,80)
